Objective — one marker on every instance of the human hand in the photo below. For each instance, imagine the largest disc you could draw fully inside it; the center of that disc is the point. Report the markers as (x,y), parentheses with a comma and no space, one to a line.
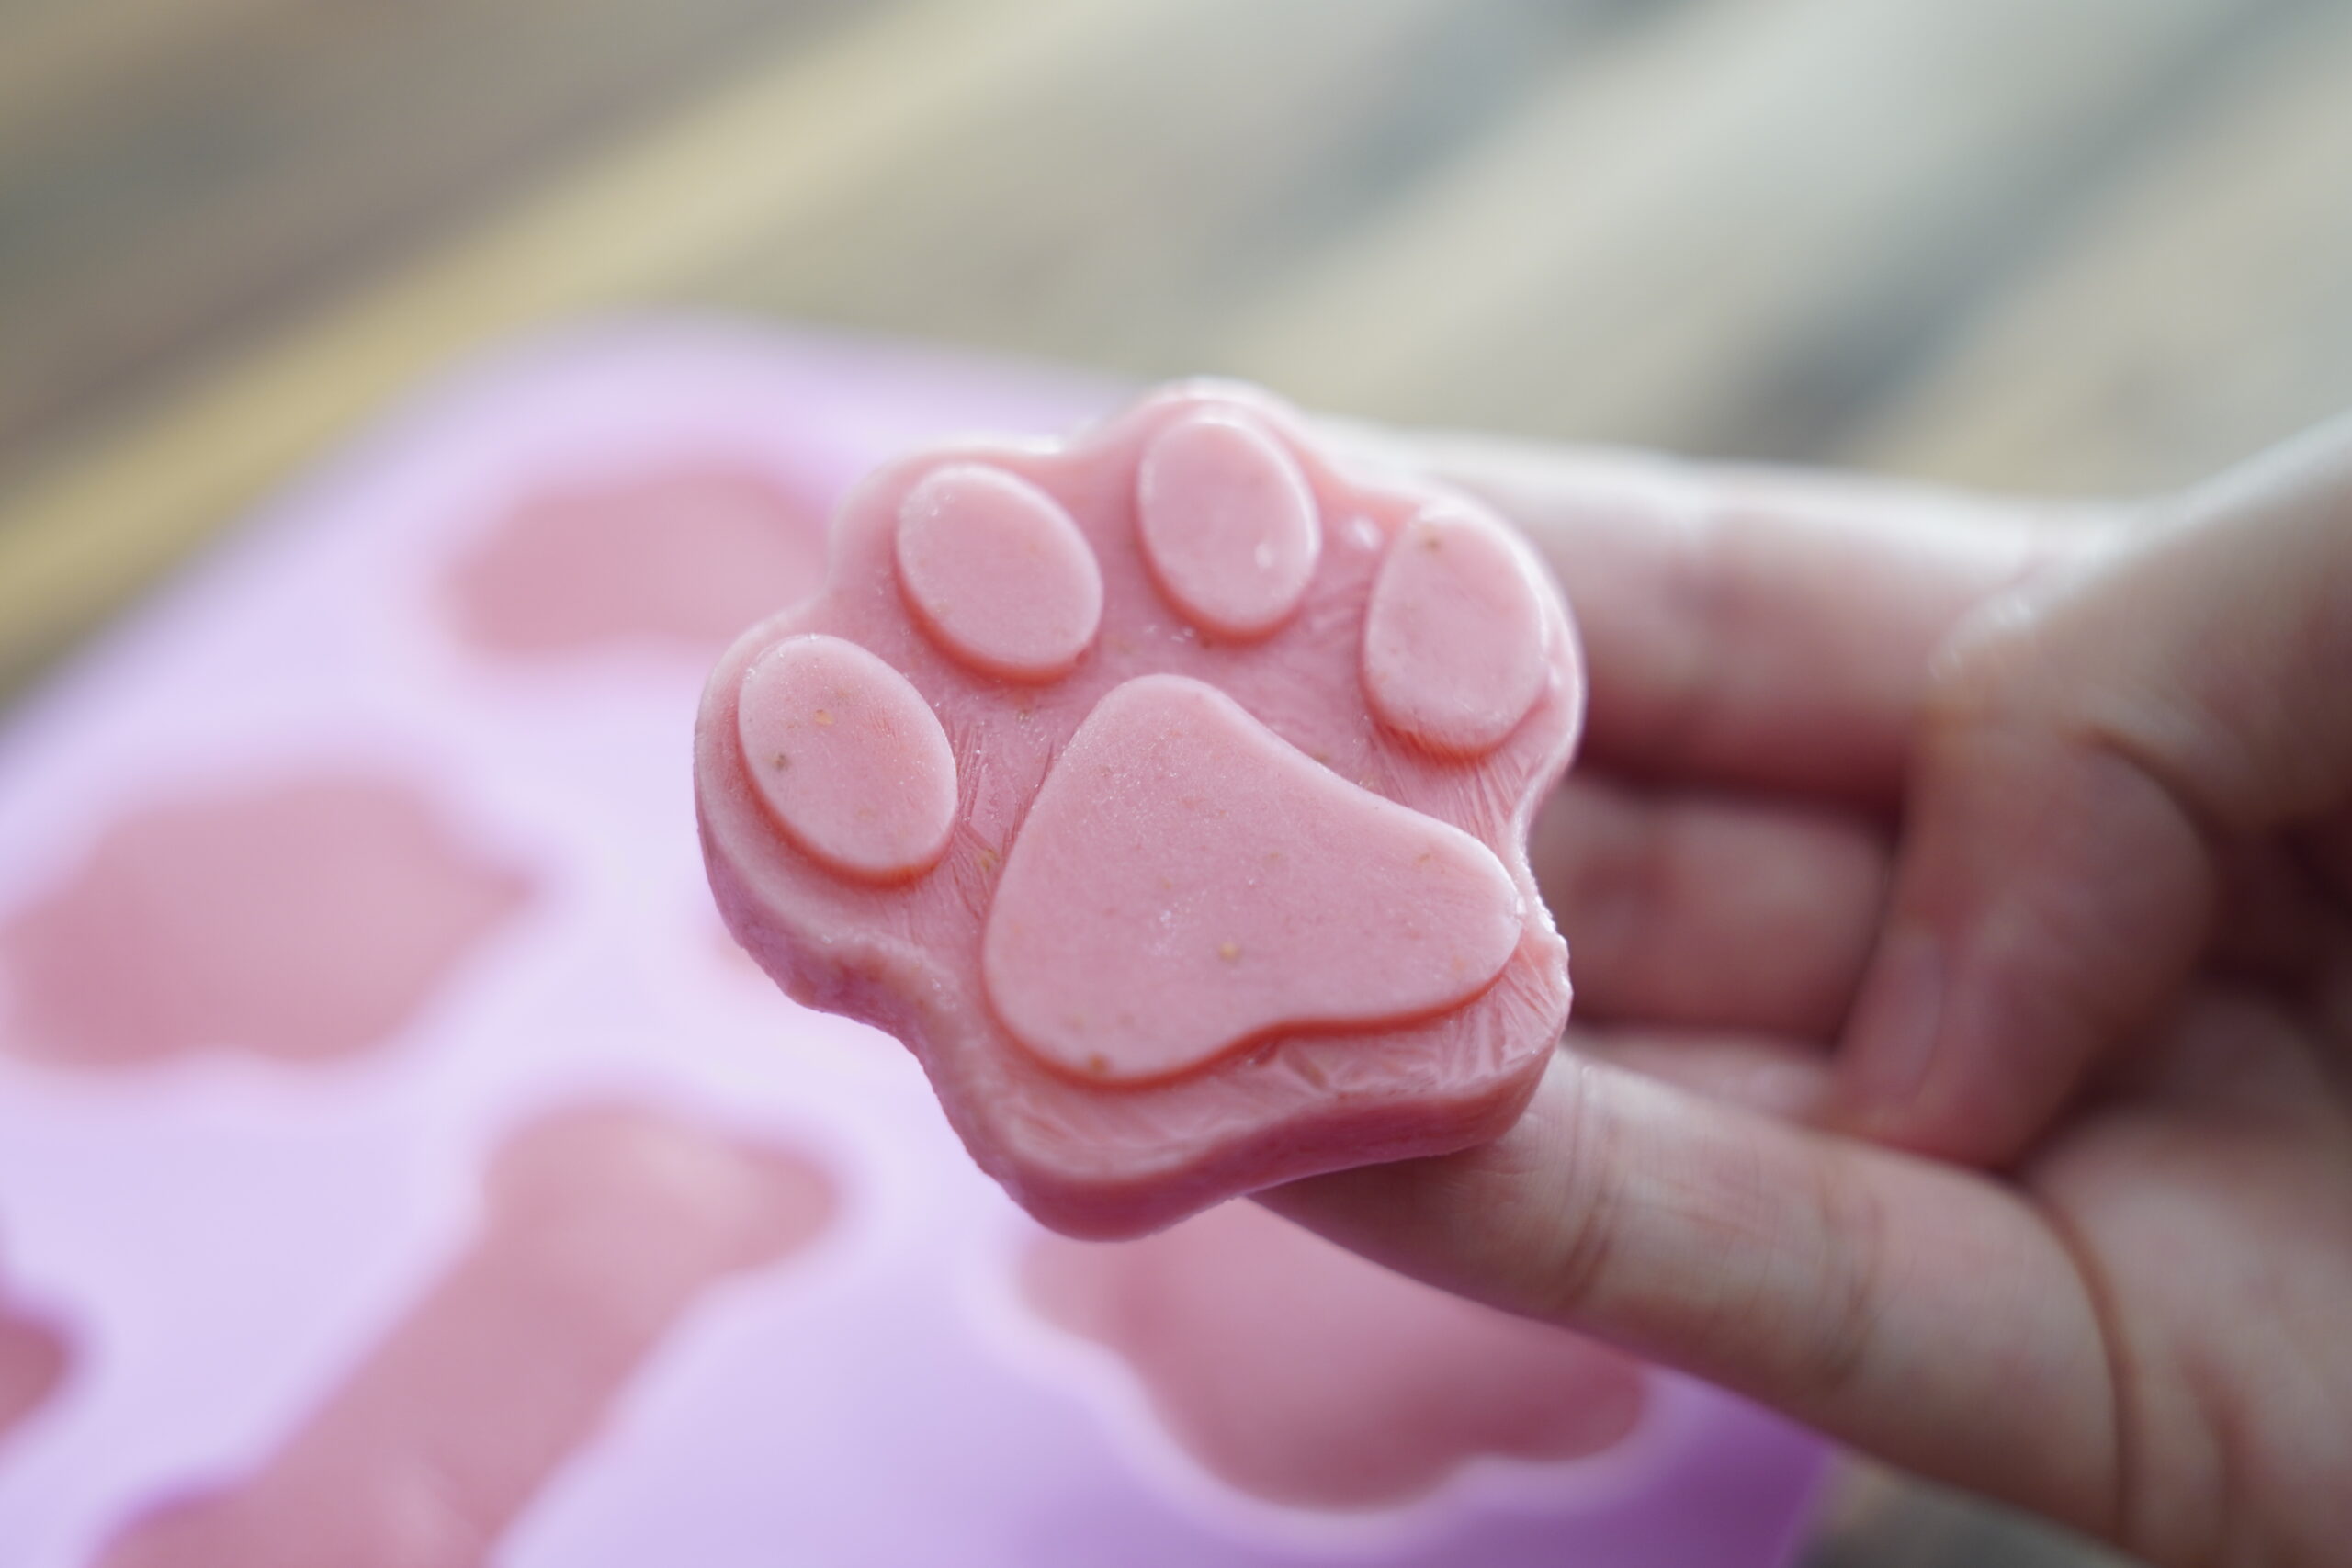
(1960,902)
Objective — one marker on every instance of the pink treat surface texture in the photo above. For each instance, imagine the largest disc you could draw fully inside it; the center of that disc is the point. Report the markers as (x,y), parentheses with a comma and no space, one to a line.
(1167,792)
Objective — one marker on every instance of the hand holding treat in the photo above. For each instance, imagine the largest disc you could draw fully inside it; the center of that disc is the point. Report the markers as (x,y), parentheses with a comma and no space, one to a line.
(2013,853)
(1168,795)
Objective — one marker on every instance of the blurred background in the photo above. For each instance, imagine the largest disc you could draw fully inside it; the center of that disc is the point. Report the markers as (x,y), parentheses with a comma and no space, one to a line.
(2080,246)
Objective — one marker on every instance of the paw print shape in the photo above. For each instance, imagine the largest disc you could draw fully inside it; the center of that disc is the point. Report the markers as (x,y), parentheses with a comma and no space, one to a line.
(1167,793)
(35,1359)
(1304,1375)
(672,557)
(305,920)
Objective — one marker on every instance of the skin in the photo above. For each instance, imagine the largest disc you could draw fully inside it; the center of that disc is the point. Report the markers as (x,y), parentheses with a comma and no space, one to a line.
(1961,894)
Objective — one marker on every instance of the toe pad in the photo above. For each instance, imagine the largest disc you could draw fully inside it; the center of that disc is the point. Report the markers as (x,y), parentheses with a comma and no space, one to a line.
(996,573)
(1229,524)
(1454,639)
(849,760)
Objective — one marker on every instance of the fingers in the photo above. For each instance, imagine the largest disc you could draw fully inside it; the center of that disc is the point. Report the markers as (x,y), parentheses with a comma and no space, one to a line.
(2327,846)
(2051,894)
(1710,911)
(2273,915)
(1752,629)
(1915,1310)
(1778,1077)
(2096,748)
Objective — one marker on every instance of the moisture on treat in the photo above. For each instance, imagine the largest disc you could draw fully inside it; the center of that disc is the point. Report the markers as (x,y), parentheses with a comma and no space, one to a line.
(1227,523)
(1167,793)
(997,573)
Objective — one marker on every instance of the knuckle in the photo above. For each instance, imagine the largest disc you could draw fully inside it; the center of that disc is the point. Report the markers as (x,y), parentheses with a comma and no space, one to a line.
(1978,670)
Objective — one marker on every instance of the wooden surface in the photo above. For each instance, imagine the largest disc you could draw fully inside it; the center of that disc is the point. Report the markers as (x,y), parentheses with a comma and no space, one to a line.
(2075,245)
(2078,245)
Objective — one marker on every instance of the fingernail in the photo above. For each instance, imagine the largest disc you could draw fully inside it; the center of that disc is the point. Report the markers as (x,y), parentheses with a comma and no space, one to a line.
(1891,1037)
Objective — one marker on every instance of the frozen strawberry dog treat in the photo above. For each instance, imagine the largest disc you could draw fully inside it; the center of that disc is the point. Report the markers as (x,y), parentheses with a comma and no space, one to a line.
(1167,793)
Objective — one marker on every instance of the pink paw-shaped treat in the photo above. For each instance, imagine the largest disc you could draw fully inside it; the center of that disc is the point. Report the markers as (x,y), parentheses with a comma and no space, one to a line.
(1168,793)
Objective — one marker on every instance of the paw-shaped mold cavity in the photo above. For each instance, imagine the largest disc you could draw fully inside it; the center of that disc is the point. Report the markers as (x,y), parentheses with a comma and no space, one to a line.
(1304,1375)
(682,557)
(1167,793)
(305,920)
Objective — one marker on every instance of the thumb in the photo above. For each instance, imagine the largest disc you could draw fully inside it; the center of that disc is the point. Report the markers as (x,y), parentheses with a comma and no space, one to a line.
(2087,747)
